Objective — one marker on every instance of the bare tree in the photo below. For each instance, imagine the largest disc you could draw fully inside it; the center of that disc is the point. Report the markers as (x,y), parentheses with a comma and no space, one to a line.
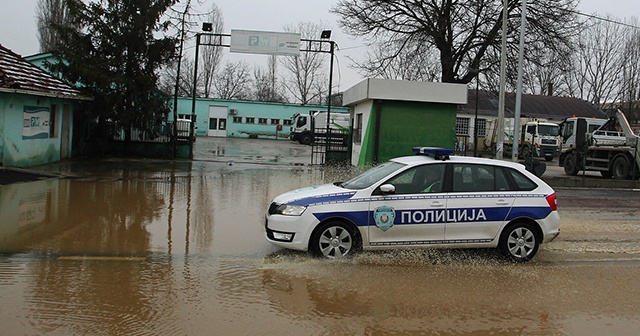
(304,71)
(49,13)
(267,88)
(233,81)
(546,72)
(598,61)
(630,78)
(185,80)
(415,64)
(211,55)
(463,32)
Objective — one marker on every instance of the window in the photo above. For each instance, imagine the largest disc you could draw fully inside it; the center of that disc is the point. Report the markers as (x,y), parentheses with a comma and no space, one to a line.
(213,123)
(262,121)
(222,124)
(357,132)
(372,175)
(301,121)
(567,130)
(287,122)
(481,124)
(184,116)
(474,177)
(422,179)
(549,130)
(462,126)
(471,177)
(250,120)
(53,132)
(275,121)
(522,182)
(237,120)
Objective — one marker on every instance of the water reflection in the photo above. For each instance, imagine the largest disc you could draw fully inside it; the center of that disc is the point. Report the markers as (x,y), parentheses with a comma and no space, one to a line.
(133,247)
(165,248)
(28,212)
(378,296)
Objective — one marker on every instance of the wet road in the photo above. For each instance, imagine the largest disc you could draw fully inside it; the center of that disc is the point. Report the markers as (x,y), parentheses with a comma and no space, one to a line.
(143,247)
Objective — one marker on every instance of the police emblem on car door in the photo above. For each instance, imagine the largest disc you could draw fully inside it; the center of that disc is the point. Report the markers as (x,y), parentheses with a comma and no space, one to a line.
(384,217)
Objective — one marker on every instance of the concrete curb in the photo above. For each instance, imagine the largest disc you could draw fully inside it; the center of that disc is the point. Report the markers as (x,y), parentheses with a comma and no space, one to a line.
(590,182)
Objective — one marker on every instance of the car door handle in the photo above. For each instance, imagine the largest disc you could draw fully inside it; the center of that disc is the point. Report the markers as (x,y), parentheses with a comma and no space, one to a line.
(437,204)
(502,202)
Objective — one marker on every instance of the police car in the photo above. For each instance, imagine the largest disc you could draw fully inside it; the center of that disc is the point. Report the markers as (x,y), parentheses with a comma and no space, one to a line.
(432,199)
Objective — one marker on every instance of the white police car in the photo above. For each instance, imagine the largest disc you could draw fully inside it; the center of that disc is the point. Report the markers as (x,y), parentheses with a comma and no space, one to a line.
(428,200)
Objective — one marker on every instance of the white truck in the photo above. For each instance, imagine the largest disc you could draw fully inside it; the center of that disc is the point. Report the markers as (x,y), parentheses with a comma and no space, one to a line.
(608,146)
(538,137)
(306,126)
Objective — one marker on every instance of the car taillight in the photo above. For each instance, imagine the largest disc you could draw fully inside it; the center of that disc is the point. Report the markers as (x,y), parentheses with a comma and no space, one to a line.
(551,199)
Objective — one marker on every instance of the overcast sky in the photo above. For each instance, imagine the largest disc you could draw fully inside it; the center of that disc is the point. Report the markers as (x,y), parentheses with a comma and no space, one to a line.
(18,25)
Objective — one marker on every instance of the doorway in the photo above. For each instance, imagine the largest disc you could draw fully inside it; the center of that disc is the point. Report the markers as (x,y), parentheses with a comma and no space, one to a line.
(218,121)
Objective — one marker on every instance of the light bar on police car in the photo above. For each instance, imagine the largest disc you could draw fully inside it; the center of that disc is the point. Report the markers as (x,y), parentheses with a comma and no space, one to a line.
(432,151)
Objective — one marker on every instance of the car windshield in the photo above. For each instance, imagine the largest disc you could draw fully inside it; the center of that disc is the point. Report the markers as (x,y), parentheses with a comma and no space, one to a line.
(549,130)
(371,176)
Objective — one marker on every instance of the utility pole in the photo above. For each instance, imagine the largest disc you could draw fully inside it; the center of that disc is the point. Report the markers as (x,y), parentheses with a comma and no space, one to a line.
(503,61)
(516,121)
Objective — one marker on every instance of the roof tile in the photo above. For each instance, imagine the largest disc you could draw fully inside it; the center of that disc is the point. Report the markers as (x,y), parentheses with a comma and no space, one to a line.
(16,73)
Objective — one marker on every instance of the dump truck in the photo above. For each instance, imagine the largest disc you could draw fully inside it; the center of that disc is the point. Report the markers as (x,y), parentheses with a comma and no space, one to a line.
(305,126)
(606,145)
(538,137)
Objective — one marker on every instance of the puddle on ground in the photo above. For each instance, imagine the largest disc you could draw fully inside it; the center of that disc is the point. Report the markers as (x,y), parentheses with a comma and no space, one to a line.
(156,248)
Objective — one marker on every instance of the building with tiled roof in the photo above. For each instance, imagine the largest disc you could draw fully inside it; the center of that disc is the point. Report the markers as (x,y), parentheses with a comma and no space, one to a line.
(36,113)
(552,108)
(481,111)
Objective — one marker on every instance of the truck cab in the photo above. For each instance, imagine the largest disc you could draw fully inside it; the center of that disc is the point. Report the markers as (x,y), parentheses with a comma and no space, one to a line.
(305,127)
(606,145)
(541,139)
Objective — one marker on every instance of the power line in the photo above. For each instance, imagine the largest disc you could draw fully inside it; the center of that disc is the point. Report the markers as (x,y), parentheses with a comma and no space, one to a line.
(606,20)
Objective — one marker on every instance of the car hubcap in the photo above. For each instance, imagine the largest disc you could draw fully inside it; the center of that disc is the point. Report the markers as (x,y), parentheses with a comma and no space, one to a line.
(335,242)
(521,242)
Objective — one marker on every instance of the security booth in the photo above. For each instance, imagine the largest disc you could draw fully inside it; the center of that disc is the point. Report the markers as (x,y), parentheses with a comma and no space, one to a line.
(390,117)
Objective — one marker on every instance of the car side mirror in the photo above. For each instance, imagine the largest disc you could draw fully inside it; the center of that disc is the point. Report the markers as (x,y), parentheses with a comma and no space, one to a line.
(387,189)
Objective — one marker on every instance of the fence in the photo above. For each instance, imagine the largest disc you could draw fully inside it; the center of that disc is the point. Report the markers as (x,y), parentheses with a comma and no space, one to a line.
(161,133)
(329,147)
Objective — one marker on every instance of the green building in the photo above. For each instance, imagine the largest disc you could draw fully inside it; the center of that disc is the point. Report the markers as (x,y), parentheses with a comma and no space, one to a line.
(391,117)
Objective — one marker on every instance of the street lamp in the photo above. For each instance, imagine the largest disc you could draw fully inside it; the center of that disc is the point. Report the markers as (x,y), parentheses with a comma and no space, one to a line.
(206,26)
(326,35)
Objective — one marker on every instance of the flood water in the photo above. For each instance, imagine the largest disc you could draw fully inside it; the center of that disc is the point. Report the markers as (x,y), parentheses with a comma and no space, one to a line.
(143,247)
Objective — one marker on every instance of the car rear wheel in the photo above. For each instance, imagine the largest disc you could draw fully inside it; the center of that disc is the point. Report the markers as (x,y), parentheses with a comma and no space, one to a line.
(519,243)
(334,240)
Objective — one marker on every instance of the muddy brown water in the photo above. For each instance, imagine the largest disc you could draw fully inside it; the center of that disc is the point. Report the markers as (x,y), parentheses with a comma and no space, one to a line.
(177,248)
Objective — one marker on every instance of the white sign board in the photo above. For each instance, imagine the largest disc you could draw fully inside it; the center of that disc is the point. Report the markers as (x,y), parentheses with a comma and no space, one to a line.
(262,42)
(35,122)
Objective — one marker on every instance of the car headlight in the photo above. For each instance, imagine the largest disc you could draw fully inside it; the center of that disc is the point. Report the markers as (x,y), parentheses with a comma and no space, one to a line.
(290,210)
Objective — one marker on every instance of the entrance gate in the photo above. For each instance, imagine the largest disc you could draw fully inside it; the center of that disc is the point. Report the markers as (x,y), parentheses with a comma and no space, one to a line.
(324,45)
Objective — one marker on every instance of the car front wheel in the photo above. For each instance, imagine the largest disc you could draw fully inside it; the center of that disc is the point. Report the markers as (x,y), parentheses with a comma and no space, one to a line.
(334,240)
(519,242)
